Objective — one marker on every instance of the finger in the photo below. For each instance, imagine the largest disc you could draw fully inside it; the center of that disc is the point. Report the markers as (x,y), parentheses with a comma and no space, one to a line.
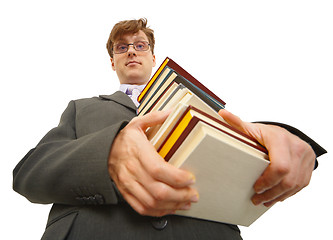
(233,120)
(271,195)
(282,197)
(136,195)
(164,172)
(164,189)
(151,119)
(280,162)
(170,196)
(271,177)
(153,193)
(143,210)
(156,167)
(250,129)
(159,202)
(290,185)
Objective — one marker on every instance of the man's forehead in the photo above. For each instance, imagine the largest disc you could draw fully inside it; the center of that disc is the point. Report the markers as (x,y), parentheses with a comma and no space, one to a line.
(140,35)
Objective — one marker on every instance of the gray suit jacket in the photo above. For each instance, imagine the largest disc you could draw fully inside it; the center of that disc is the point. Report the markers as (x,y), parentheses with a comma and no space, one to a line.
(68,168)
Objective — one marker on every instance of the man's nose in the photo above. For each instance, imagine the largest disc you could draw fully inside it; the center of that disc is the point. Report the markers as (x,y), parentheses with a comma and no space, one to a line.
(131,50)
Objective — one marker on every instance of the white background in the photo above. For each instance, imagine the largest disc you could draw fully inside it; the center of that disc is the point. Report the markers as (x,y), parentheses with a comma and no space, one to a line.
(269,60)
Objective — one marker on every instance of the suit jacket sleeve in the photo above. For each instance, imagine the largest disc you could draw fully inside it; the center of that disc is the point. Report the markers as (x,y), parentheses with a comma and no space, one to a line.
(66,169)
(315,146)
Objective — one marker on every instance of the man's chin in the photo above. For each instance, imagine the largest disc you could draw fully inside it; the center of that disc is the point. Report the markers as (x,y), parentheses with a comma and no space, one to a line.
(136,81)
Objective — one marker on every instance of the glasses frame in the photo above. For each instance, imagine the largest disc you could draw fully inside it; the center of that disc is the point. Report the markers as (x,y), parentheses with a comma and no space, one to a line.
(134,46)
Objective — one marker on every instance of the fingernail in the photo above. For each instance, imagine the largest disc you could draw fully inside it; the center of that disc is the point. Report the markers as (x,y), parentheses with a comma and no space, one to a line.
(195,198)
(268,204)
(256,201)
(260,191)
(187,206)
(192,179)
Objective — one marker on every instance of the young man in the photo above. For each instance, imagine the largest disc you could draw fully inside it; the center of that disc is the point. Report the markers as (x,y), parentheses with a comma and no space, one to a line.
(106,181)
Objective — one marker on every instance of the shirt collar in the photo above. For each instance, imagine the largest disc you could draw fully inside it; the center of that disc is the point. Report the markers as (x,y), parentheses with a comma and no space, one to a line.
(123,87)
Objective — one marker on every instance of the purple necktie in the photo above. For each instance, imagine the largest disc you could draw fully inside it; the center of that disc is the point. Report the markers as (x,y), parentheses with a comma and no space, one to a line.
(133,92)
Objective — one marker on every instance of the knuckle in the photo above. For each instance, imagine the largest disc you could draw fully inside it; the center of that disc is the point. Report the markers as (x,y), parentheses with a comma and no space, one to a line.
(123,181)
(268,181)
(283,169)
(152,204)
(131,167)
(157,170)
(178,181)
(288,184)
(161,193)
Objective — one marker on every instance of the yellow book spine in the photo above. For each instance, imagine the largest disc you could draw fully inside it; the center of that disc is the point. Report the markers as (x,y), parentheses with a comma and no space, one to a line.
(175,135)
(153,79)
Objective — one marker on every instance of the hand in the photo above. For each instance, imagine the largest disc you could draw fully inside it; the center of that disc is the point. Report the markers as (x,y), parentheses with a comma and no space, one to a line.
(148,183)
(291,161)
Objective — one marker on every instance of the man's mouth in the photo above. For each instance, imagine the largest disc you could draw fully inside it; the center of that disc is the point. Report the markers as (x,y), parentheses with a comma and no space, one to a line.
(132,63)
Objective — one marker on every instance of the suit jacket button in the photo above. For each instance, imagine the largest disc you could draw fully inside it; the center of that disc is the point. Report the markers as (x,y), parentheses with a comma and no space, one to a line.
(99,199)
(159,223)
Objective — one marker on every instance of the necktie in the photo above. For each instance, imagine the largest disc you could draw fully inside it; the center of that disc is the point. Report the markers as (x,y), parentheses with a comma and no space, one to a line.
(133,92)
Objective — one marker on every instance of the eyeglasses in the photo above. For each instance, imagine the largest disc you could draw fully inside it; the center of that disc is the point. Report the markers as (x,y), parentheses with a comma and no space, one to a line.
(138,46)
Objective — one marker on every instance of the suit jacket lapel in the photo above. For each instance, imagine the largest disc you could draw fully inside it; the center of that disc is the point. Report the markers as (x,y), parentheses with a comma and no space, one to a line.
(120,98)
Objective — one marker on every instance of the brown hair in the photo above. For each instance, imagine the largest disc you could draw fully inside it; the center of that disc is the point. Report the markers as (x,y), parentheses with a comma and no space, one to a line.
(130,26)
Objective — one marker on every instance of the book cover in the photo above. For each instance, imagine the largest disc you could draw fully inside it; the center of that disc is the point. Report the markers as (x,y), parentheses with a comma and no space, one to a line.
(187,79)
(225,161)
(157,134)
(162,82)
(187,122)
(225,175)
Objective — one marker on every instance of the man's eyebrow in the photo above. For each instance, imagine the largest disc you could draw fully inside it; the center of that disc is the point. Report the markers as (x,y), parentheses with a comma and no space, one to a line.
(119,40)
(138,38)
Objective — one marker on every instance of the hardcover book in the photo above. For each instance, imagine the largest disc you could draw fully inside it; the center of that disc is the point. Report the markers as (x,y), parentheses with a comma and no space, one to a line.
(225,161)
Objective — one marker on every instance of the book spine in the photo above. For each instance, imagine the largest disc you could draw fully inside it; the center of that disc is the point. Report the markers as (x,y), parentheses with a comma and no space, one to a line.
(152,80)
(172,64)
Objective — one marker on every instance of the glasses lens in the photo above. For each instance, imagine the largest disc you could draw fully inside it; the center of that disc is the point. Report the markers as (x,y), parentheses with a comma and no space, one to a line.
(141,46)
(120,48)
(138,46)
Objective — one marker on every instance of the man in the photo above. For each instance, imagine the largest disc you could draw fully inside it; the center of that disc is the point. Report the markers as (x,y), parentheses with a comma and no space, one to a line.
(106,181)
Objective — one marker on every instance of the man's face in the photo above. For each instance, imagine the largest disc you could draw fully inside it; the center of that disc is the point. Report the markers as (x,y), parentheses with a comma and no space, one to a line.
(133,67)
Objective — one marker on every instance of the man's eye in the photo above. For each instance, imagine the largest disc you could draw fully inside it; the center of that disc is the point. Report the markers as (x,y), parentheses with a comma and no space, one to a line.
(140,45)
(121,47)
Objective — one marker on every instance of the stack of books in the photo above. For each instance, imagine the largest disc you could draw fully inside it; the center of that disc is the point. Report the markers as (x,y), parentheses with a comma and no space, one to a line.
(226,162)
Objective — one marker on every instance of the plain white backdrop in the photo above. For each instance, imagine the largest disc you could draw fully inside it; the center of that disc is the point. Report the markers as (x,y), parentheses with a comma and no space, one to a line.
(269,60)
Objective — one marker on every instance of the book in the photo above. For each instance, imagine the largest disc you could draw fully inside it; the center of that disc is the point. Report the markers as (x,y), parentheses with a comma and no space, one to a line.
(158,82)
(162,82)
(157,134)
(225,175)
(225,161)
(186,122)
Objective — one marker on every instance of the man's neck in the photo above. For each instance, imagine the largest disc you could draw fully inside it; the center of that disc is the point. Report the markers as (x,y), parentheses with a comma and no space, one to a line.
(123,87)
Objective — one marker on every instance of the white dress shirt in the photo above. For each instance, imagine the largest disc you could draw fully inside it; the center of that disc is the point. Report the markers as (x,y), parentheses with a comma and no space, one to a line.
(133,91)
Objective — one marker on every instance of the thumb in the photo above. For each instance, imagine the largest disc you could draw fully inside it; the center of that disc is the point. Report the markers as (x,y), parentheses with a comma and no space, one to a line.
(151,119)
(233,120)
(251,129)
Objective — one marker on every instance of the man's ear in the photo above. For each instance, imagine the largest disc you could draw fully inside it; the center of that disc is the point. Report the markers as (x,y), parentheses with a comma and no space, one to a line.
(112,64)
(154,60)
